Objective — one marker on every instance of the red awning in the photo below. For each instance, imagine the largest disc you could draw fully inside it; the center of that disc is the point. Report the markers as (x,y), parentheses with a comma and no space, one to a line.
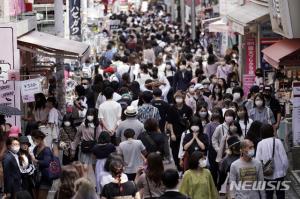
(285,52)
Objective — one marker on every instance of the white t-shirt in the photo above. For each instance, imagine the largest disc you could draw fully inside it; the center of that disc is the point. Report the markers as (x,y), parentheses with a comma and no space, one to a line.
(53,116)
(101,98)
(110,112)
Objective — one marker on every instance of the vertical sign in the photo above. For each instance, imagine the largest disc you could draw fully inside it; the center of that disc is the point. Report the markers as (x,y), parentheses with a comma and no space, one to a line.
(250,55)
(296,114)
(248,81)
(9,89)
(74,18)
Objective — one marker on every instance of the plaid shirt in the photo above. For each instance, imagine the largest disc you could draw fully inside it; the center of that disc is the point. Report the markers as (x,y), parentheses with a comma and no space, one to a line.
(147,111)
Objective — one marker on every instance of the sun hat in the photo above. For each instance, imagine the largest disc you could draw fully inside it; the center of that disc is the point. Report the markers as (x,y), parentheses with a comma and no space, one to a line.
(130,111)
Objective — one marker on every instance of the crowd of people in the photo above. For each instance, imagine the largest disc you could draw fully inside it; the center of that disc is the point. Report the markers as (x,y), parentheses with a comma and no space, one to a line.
(155,97)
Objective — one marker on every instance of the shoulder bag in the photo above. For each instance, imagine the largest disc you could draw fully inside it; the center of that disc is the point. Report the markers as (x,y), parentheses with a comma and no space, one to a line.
(87,146)
(268,167)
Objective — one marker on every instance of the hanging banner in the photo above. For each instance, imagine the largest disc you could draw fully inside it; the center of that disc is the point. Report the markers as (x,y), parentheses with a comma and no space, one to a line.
(250,55)
(29,88)
(74,18)
(248,82)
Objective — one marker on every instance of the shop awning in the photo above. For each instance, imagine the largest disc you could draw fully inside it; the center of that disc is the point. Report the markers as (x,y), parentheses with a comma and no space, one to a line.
(51,45)
(242,15)
(285,52)
(218,26)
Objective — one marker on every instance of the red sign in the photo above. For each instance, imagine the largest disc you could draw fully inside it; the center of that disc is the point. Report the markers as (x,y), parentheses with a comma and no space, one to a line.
(250,55)
(248,82)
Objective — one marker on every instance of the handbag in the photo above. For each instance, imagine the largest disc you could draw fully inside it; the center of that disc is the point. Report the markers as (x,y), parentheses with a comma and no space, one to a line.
(87,146)
(54,169)
(268,167)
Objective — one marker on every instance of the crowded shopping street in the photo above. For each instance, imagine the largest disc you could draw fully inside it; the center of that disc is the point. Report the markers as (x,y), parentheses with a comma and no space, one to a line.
(149,99)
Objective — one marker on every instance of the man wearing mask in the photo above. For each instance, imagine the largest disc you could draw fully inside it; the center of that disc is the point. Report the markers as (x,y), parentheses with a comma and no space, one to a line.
(273,104)
(86,83)
(177,122)
(246,169)
(182,77)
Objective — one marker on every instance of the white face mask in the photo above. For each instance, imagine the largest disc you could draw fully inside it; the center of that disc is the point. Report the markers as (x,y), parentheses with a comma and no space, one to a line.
(85,86)
(228,119)
(236,96)
(67,123)
(195,128)
(191,90)
(202,163)
(179,100)
(15,149)
(251,153)
(168,67)
(90,118)
(202,114)
(182,67)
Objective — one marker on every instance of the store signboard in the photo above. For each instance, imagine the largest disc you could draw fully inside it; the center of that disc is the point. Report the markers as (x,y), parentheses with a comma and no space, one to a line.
(9,90)
(296,114)
(29,88)
(74,18)
(280,17)
(248,81)
(250,55)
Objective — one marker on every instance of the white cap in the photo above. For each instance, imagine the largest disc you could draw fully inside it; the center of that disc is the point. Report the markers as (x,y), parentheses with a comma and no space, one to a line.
(198,86)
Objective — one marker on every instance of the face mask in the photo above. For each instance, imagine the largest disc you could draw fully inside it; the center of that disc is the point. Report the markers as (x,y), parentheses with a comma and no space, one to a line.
(236,96)
(168,67)
(191,90)
(195,128)
(233,108)
(182,67)
(202,114)
(233,129)
(90,118)
(205,85)
(179,100)
(250,153)
(228,119)
(217,91)
(259,103)
(85,86)
(202,163)
(189,69)
(241,114)
(67,123)
(15,149)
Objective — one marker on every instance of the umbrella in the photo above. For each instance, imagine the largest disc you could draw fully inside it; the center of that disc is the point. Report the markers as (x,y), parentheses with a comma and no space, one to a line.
(9,111)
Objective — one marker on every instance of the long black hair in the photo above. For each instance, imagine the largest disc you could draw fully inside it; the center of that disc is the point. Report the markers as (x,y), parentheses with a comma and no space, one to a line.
(214,95)
(92,112)
(40,101)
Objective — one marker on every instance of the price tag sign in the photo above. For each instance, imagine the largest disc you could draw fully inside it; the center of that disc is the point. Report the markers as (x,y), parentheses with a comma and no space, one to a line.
(29,88)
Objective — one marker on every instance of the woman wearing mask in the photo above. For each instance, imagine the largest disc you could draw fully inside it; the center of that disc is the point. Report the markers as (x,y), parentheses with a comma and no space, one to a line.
(40,110)
(197,182)
(222,129)
(202,113)
(119,187)
(66,137)
(42,158)
(26,165)
(87,136)
(12,175)
(196,140)
(260,112)
(234,130)
(148,180)
(243,119)
(216,98)
(190,98)
(238,94)
(80,104)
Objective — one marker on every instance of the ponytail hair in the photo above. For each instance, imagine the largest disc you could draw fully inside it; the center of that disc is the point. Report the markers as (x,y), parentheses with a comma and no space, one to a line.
(116,169)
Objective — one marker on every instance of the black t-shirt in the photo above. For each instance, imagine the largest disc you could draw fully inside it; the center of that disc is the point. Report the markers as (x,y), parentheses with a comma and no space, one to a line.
(275,107)
(113,190)
(103,151)
(195,147)
(179,118)
(163,108)
(153,141)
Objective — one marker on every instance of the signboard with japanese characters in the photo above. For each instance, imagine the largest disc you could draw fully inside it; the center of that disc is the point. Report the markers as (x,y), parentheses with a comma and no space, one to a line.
(29,88)
(250,55)
(9,62)
(74,18)
(248,81)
